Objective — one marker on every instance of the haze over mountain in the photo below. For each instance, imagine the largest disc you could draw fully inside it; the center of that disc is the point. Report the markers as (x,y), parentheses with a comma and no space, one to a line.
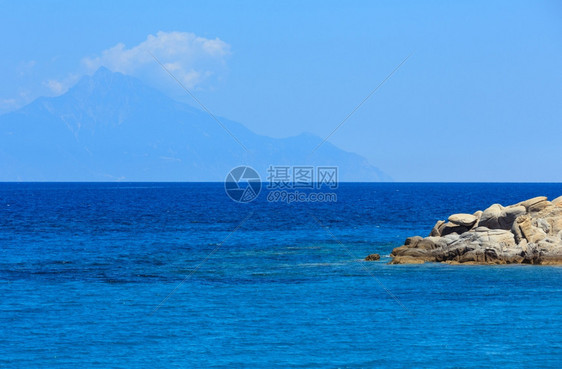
(110,126)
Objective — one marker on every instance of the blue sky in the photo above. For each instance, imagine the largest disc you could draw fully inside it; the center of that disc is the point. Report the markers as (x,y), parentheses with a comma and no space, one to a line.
(480,99)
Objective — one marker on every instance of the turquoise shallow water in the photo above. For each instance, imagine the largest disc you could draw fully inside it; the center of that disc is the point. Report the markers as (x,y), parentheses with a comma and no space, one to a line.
(83,267)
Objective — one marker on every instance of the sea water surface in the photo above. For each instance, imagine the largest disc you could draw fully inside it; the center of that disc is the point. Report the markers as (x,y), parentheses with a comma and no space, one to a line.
(145,275)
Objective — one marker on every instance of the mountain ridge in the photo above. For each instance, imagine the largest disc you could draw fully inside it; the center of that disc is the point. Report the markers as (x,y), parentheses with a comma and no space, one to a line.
(110,126)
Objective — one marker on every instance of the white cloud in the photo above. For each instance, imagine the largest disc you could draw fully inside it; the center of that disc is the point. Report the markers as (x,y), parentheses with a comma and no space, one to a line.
(8,104)
(60,86)
(55,86)
(192,59)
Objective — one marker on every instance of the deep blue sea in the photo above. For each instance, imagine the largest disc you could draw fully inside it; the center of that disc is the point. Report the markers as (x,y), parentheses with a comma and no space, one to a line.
(146,275)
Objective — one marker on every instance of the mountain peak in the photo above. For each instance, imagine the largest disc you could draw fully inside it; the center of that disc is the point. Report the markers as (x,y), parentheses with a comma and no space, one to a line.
(116,85)
(102,72)
(103,76)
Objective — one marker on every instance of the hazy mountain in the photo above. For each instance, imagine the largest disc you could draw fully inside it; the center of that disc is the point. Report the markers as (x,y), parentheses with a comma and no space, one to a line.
(113,127)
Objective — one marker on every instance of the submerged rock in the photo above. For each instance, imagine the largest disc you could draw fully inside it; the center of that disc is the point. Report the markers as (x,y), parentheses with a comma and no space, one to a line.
(373,257)
(529,232)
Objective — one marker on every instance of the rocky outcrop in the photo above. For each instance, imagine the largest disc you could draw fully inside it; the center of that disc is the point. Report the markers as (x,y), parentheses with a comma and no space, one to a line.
(529,232)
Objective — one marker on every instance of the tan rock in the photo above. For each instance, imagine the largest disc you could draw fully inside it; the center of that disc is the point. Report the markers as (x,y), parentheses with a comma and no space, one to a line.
(508,216)
(406,260)
(539,206)
(490,216)
(436,231)
(427,244)
(531,233)
(465,220)
(498,217)
(535,200)
(412,241)
(523,245)
(450,227)
(542,224)
(528,232)
(555,224)
(398,250)
(517,233)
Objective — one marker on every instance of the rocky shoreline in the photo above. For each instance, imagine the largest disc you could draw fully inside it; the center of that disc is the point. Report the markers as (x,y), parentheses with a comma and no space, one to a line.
(529,232)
